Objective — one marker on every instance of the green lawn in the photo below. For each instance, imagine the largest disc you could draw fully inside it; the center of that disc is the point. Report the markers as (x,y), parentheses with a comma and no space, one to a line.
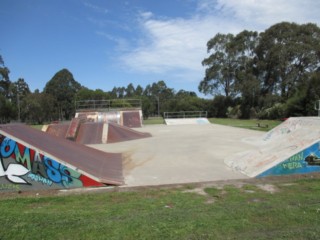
(154,120)
(292,212)
(254,124)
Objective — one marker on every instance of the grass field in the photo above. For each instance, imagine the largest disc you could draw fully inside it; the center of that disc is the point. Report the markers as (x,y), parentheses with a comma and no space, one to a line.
(254,124)
(290,211)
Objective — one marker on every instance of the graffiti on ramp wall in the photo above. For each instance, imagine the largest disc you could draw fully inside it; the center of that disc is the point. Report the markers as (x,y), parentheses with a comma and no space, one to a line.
(305,161)
(25,168)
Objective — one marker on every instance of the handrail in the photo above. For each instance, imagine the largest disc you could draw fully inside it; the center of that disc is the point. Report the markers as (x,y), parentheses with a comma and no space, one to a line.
(186,114)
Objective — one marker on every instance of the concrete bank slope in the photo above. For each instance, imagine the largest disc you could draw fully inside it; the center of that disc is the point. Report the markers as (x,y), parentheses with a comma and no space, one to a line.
(292,147)
(181,154)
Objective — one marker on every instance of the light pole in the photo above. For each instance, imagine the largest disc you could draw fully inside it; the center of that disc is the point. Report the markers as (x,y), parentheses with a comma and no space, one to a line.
(317,107)
(18,102)
(158,106)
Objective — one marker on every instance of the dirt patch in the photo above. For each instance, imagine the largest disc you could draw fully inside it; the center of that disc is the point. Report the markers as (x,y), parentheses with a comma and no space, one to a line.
(268,188)
(266,184)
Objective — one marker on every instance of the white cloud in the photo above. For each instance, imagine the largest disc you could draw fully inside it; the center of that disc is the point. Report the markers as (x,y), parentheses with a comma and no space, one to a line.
(121,43)
(268,12)
(177,46)
(96,8)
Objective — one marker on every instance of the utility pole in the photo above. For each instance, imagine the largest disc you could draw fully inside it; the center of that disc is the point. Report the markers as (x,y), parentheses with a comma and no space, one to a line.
(317,107)
(158,106)
(18,102)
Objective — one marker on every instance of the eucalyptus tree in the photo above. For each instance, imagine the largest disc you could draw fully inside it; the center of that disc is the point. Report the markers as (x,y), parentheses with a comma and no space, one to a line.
(287,55)
(4,79)
(220,74)
(63,87)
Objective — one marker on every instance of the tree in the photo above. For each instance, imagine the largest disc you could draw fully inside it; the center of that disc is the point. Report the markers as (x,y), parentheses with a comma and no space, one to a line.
(221,65)
(287,54)
(4,79)
(19,90)
(312,94)
(159,94)
(63,87)
(38,108)
(130,91)
(7,111)
(139,91)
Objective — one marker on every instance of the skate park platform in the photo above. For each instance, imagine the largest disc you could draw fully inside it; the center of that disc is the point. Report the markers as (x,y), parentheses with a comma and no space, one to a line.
(181,154)
(171,154)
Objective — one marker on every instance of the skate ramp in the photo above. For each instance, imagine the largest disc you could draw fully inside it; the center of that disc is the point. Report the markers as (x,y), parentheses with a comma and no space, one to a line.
(90,133)
(131,119)
(293,147)
(117,133)
(32,159)
(96,132)
(58,130)
(186,121)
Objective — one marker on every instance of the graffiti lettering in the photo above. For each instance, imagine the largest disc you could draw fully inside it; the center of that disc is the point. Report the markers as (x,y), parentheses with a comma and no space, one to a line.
(24,159)
(296,157)
(9,187)
(62,174)
(292,165)
(7,147)
(38,178)
(36,167)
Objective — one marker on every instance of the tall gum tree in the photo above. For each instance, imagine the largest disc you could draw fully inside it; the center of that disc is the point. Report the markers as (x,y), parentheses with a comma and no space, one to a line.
(63,87)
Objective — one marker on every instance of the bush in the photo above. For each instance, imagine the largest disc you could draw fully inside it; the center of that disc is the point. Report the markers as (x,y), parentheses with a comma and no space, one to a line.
(275,112)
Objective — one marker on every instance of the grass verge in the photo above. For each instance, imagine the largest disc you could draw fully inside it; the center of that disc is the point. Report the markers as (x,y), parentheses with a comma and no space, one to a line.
(230,212)
(254,124)
(153,120)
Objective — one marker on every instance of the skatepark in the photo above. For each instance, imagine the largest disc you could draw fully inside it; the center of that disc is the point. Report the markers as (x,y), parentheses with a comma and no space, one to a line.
(115,149)
(180,154)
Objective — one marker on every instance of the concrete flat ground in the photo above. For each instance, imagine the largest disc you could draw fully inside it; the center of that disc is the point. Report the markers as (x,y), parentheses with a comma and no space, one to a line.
(181,154)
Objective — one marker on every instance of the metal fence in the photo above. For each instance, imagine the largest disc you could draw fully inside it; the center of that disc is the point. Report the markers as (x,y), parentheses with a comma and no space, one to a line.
(107,105)
(186,114)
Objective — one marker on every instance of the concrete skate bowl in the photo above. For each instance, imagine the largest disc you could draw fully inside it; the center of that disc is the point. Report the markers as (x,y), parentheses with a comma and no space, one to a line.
(34,160)
(94,132)
(293,147)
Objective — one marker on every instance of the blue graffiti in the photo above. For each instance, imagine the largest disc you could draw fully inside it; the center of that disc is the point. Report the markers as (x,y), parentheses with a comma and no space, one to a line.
(7,147)
(41,168)
(38,178)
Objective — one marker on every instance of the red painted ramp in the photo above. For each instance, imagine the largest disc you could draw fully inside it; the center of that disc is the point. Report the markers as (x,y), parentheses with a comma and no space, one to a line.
(117,133)
(58,130)
(90,133)
(101,166)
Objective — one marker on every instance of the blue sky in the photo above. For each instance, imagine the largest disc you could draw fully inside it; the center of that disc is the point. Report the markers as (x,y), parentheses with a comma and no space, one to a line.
(107,43)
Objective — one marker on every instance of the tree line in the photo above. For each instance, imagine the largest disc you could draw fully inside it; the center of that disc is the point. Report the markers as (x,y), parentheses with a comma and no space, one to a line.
(273,74)
(58,98)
